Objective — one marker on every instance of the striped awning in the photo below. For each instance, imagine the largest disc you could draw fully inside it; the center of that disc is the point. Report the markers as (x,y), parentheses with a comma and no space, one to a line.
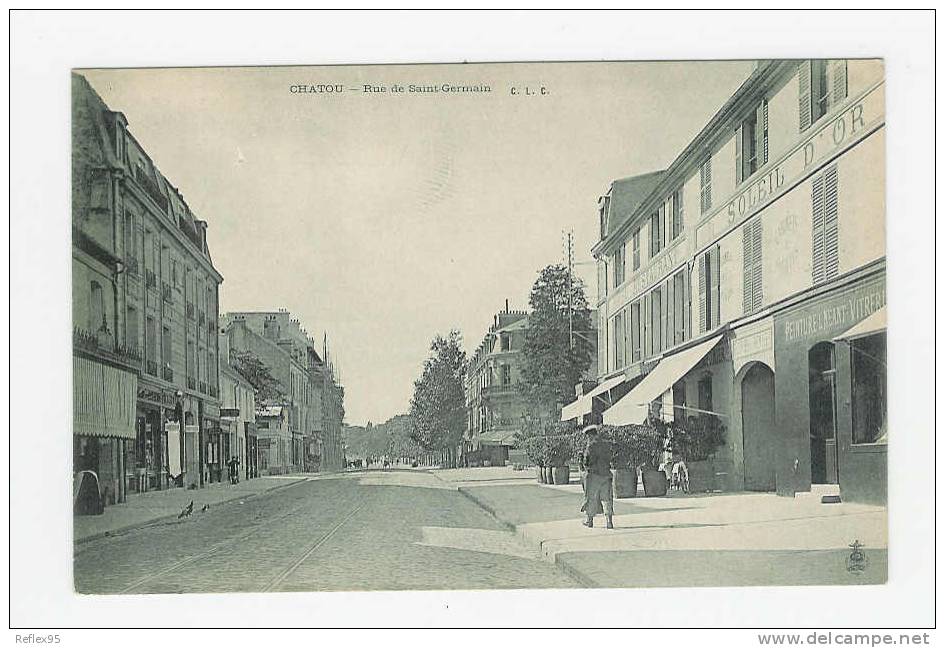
(103,400)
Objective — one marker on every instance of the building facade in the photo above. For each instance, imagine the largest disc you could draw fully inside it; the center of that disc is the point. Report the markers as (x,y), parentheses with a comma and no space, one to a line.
(238,414)
(312,399)
(747,281)
(493,402)
(144,290)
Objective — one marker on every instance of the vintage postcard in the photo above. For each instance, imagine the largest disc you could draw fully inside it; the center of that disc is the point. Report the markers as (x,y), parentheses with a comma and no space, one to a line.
(479,326)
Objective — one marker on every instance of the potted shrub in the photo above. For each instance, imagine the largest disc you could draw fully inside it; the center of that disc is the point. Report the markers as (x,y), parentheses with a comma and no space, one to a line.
(649,442)
(626,459)
(695,440)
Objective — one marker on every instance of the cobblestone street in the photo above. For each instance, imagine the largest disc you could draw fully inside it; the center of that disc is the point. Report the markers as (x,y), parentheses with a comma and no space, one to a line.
(356,531)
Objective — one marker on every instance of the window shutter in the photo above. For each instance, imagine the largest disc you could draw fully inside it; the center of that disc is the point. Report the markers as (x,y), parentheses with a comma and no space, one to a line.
(716,288)
(804,94)
(702,293)
(668,321)
(817,207)
(687,303)
(647,344)
(757,283)
(748,275)
(831,243)
(761,133)
(680,214)
(738,156)
(662,226)
(839,73)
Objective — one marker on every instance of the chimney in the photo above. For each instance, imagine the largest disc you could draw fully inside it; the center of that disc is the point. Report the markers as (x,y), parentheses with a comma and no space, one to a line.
(506,305)
(224,345)
(271,328)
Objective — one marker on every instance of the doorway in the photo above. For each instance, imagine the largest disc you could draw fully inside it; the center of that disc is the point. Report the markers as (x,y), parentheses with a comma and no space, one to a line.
(823,420)
(758,427)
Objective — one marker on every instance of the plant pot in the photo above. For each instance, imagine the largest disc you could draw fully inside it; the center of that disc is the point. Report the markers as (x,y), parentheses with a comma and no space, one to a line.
(625,482)
(654,482)
(701,476)
(549,475)
(541,474)
(561,474)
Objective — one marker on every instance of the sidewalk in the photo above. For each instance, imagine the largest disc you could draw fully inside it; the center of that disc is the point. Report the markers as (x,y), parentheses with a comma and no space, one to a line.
(680,540)
(144,508)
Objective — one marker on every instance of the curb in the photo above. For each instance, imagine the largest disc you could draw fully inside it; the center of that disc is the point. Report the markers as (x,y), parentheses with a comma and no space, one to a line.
(166,518)
(572,572)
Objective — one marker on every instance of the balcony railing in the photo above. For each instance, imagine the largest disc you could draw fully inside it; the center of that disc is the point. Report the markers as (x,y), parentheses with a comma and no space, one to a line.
(151,367)
(166,292)
(131,265)
(102,344)
(150,187)
(167,373)
(191,382)
(190,310)
(150,280)
(493,390)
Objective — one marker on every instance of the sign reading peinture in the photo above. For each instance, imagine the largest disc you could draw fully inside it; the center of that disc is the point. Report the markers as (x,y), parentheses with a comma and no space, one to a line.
(832,317)
(857,121)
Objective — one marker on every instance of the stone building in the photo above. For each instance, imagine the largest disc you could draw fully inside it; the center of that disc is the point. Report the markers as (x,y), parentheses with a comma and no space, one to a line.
(145,305)
(493,402)
(310,395)
(747,281)
(237,414)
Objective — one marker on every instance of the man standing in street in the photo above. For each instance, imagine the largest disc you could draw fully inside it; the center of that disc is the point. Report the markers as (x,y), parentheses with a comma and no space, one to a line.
(598,488)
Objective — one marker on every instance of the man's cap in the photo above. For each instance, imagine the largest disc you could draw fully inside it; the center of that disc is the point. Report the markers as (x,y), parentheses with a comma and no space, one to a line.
(591,429)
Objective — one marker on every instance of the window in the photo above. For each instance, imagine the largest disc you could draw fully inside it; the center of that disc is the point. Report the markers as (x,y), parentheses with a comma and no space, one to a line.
(824,199)
(636,249)
(656,232)
(656,318)
(505,341)
(150,343)
(620,264)
(620,338)
(751,143)
(679,399)
(131,328)
(97,317)
(677,212)
(130,248)
(752,294)
(505,374)
(705,185)
(601,280)
(821,84)
(705,392)
(166,346)
(636,352)
(709,307)
(680,307)
(604,209)
(868,358)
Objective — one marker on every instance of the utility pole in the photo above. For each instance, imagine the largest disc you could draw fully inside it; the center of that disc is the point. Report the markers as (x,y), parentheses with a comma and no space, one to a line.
(569,255)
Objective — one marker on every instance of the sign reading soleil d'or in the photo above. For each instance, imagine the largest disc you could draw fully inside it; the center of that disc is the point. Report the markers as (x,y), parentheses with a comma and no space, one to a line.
(844,130)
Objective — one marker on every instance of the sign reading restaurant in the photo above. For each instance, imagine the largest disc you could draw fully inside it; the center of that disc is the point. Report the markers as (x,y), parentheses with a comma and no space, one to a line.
(862,117)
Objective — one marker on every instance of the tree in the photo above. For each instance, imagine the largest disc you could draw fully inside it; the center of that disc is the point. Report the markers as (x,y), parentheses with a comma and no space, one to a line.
(438,405)
(267,387)
(554,359)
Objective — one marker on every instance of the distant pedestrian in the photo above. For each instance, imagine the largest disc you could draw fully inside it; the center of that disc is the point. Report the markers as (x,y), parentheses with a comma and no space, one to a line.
(598,483)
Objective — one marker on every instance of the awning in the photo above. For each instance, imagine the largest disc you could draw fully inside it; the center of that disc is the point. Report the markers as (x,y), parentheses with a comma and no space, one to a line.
(875,323)
(103,400)
(634,406)
(584,404)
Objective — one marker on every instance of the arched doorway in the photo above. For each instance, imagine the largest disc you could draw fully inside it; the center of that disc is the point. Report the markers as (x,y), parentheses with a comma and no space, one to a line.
(758,430)
(823,420)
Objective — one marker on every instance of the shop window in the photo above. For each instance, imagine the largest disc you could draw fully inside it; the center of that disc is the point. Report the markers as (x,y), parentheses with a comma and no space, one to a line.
(868,359)
(705,392)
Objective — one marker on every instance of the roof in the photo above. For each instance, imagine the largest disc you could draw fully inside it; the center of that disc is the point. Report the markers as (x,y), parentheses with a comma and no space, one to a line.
(518,325)
(626,194)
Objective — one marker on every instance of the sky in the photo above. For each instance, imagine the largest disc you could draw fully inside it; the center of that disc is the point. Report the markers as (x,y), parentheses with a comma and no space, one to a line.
(385,218)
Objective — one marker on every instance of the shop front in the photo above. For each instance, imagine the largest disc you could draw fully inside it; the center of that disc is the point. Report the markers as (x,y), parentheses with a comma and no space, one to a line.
(830,406)
(251,461)
(103,426)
